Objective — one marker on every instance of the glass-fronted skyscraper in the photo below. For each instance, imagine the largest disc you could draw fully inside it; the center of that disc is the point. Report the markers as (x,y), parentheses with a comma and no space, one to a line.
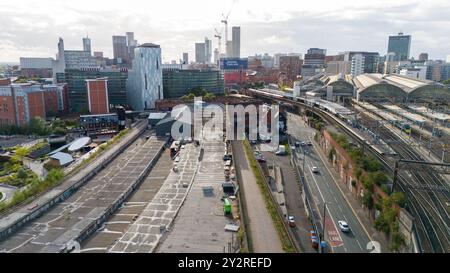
(76,85)
(400,45)
(178,83)
(144,85)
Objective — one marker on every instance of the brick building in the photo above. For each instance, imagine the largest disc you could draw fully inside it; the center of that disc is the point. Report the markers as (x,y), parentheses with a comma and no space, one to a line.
(97,90)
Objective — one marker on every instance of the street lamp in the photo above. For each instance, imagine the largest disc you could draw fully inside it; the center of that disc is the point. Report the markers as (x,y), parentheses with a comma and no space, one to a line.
(322,235)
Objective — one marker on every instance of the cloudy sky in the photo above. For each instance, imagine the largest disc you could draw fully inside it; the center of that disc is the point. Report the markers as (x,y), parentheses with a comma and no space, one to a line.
(31,28)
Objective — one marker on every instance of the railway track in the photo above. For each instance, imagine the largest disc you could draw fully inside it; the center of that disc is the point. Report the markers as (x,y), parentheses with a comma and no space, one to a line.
(428,206)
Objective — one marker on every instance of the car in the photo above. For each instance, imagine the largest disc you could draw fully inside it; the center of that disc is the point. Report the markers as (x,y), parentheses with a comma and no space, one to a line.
(227,157)
(302,143)
(314,239)
(309,143)
(177,159)
(343,226)
(314,169)
(291,221)
(297,144)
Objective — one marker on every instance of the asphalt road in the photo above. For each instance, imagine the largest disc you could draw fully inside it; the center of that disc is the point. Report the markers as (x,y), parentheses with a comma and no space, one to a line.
(324,189)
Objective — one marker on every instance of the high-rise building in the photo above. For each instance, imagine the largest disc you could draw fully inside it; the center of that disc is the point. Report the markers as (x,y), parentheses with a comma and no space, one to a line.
(120,49)
(145,84)
(236,42)
(357,65)
(448,59)
(290,66)
(76,82)
(371,60)
(72,59)
(131,45)
(423,57)
(87,45)
(400,45)
(229,49)
(315,56)
(185,58)
(276,59)
(208,50)
(200,53)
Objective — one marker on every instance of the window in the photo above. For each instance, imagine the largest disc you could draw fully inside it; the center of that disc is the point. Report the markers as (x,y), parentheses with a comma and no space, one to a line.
(157,65)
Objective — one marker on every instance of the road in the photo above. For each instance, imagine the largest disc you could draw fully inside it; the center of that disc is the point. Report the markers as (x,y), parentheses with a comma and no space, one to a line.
(264,236)
(325,189)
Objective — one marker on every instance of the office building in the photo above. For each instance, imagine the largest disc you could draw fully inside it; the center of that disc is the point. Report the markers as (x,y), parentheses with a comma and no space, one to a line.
(229,49)
(200,53)
(276,59)
(216,56)
(208,50)
(315,56)
(236,42)
(357,65)
(97,93)
(418,72)
(338,67)
(371,60)
(36,67)
(87,45)
(423,57)
(290,66)
(131,45)
(185,58)
(72,59)
(120,49)
(98,54)
(400,45)
(76,82)
(178,83)
(145,84)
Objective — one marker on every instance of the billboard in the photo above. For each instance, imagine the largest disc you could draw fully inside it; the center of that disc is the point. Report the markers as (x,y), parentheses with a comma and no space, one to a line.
(233,63)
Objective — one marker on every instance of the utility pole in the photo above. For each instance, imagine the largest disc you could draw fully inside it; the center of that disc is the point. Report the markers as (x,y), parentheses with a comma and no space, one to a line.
(322,236)
(395,178)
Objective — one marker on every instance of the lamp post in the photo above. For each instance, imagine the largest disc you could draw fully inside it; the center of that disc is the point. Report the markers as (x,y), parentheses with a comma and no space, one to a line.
(322,235)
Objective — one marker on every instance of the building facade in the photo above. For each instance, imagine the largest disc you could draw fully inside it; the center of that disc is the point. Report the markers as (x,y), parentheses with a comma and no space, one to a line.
(97,91)
(315,56)
(120,49)
(357,65)
(178,83)
(400,45)
(76,84)
(36,67)
(145,80)
(371,60)
(290,66)
(87,45)
(200,53)
(236,41)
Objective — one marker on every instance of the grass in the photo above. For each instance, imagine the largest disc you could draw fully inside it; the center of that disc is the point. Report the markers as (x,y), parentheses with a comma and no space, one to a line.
(270,204)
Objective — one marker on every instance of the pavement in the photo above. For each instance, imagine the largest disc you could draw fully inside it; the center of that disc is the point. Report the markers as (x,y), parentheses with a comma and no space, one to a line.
(293,200)
(264,236)
(64,221)
(325,189)
(114,228)
(200,224)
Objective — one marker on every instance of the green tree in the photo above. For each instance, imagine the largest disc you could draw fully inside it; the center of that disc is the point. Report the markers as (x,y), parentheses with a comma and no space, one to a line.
(22,174)
(38,126)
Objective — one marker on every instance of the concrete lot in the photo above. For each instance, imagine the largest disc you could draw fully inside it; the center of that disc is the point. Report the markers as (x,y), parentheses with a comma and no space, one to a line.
(114,228)
(200,224)
(144,234)
(65,220)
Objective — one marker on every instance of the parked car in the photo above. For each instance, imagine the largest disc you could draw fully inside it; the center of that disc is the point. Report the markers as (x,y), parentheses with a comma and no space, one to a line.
(291,221)
(297,144)
(314,169)
(227,157)
(343,226)
(309,143)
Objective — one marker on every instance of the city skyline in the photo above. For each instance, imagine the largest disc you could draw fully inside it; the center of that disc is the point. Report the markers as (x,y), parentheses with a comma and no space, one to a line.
(288,27)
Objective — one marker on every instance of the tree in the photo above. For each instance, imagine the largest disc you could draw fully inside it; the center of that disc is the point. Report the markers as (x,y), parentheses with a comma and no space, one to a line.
(22,174)
(38,126)
(209,96)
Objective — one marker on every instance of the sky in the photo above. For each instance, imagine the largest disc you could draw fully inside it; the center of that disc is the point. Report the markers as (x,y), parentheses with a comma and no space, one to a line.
(30,28)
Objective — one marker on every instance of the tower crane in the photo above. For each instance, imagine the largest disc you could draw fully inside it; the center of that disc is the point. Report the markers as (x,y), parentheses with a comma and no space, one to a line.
(225,22)
(218,35)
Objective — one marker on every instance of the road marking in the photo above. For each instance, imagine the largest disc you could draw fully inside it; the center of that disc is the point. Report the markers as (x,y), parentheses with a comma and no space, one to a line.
(359,244)
(343,195)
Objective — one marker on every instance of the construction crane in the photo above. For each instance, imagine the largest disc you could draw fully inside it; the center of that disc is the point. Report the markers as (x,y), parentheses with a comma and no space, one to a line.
(218,35)
(225,22)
